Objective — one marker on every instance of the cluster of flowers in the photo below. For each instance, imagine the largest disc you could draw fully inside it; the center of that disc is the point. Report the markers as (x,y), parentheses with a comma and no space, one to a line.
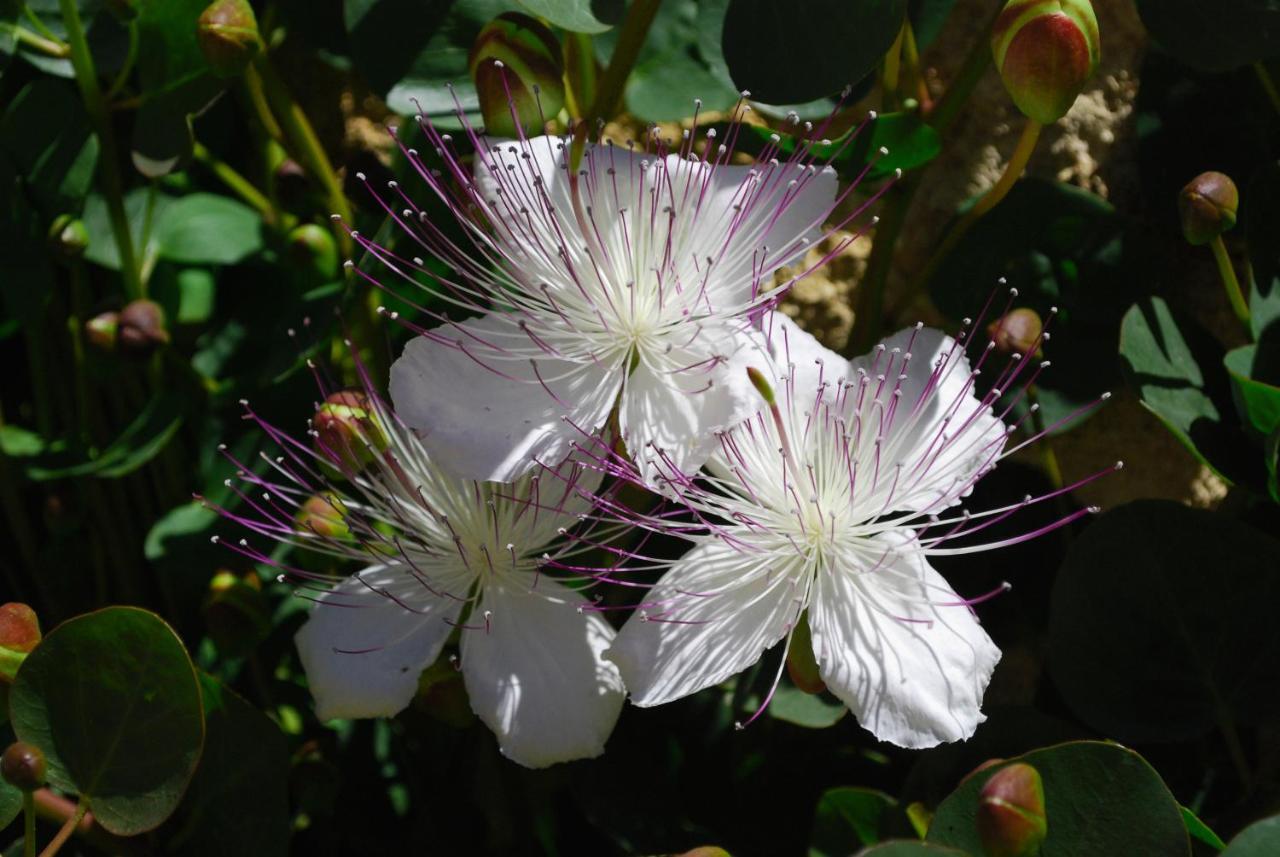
(623,332)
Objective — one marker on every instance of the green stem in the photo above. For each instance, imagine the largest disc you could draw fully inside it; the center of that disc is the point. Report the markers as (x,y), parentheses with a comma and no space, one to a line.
(948,107)
(29,824)
(64,833)
(580,72)
(630,39)
(304,143)
(869,313)
(1268,85)
(50,47)
(108,161)
(892,70)
(1012,172)
(1230,283)
(236,182)
(1047,456)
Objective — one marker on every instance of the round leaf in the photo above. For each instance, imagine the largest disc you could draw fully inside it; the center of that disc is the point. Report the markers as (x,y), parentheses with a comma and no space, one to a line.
(846,816)
(204,228)
(810,710)
(795,52)
(1099,798)
(1214,35)
(111,698)
(578,16)
(1260,839)
(1163,621)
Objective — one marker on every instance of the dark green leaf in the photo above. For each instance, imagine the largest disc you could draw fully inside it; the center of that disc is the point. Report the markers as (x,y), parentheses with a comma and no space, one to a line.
(1099,799)
(238,802)
(664,87)
(578,16)
(810,710)
(112,699)
(144,209)
(1162,623)
(47,133)
(907,848)
(140,441)
(928,18)
(1214,35)
(795,52)
(847,817)
(1255,382)
(1200,831)
(207,229)
(28,283)
(1175,368)
(1260,839)
(10,796)
(1262,224)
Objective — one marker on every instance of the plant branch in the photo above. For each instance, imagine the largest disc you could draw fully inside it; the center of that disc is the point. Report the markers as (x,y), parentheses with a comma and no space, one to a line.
(64,832)
(1229,282)
(630,38)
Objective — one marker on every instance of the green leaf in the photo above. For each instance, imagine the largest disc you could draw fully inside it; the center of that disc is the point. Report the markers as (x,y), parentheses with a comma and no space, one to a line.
(795,52)
(207,229)
(1162,623)
(848,816)
(1214,35)
(810,710)
(1061,247)
(908,848)
(1255,371)
(112,700)
(10,796)
(187,294)
(1174,366)
(1260,839)
(663,88)
(577,16)
(1261,215)
(238,801)
(140,442)
(1200,831)
(47,133)
(1099,798)
(144,209)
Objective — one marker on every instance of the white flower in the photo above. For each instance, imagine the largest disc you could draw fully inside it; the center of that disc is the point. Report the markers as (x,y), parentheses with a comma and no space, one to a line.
(832,501)
(443,554)
(630,282)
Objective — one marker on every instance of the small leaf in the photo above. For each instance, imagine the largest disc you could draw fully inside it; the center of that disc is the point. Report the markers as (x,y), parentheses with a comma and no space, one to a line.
(112,700)
(207,229)
(144,209)
(1101,799)
(848,816)
(577,16)
(795,52)
(140,442)
(1260,839)
(47,133)
(810,710)
(1255,371)
(1145,644)
(1200,831)
(1262,223)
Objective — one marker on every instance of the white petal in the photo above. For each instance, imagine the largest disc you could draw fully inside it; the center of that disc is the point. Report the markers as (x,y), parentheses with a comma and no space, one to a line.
(670,419)
(478,424)
(940,431)
(537,678)
(912,683)
(711,616)
(370,637)
(801,359)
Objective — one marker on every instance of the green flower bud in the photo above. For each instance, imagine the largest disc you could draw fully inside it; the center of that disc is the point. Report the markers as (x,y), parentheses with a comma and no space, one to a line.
(19,634)
(1207,207)
(141,328)
(347,432)
(101,331)
(227,31)
(235,613)
(314,252)
(1018,332)
(516,65)
(1045,51)
(68,238)
(23,766)
(324,515)
(1011,817)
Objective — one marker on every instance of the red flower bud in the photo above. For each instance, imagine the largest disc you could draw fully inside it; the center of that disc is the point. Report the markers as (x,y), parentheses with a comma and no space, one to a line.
(347,431)
(141,330)
(1207,207)
(517,68)
(227,32)
(1045,51)
(23,766)
(1011,817)
(1018,332)
(19,634)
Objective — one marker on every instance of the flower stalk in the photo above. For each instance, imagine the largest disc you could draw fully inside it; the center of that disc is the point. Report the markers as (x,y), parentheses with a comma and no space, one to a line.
(630,38)
(1229,281)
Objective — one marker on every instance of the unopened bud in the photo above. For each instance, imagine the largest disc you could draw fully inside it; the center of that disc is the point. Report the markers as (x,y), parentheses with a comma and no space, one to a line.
(19,634)
(1018,332)
(141,329)
(802,667)
(1011,817)
(23,766)
(1045,51)
(706,851)
(68,239)
(235,613)
(517,69)
(1207,207)
(347,431)
(762,385)
(313,251)
(101,331)
(227,32)
(325,515)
